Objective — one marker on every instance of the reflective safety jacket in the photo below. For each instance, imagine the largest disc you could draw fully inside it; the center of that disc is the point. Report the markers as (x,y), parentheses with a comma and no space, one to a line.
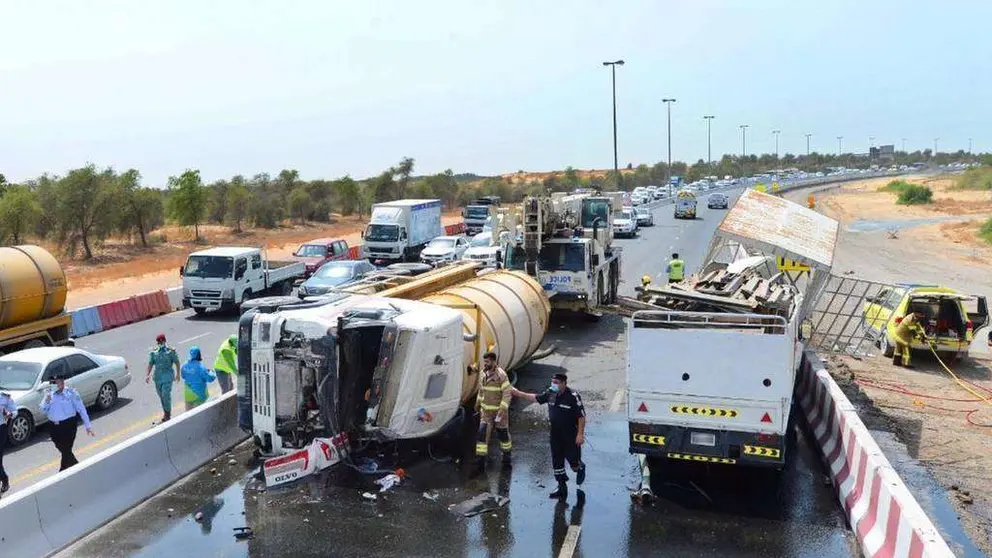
(227,357)
(676,270)
(494,393)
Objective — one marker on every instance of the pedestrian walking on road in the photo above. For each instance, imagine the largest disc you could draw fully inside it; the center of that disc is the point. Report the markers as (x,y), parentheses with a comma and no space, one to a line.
(196,376)
(675,269)
(62,404)
(226,363)
(161,361)
(8,410)
(568,430)
(493,402)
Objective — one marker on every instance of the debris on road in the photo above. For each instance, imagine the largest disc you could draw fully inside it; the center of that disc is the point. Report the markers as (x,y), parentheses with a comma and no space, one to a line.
(482,503)
(243,533)
(432,496)
(388,482)
(369,496)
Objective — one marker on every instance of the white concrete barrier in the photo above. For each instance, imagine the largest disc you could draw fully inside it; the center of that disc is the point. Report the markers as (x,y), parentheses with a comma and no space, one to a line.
(175,296)
(883,513)
(58,511)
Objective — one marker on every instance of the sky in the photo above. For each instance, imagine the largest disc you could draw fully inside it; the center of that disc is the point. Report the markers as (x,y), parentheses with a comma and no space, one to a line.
(336,88)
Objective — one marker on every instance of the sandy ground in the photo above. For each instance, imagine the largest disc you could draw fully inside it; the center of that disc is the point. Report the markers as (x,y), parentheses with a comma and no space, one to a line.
(924,406)
(121,269)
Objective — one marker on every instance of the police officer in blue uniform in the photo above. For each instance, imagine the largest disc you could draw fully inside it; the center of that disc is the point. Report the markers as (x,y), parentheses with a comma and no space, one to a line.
(568,430)
(8,410)
(62,404)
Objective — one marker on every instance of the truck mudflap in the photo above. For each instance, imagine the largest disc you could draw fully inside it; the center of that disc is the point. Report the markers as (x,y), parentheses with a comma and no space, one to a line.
(319,455)
(708,446)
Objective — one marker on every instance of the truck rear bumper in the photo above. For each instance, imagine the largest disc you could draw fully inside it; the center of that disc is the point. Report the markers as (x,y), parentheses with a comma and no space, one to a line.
(693,444)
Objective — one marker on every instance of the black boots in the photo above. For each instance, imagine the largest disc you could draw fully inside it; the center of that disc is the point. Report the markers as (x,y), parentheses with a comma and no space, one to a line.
(580,475)
(507,462)
(561,492)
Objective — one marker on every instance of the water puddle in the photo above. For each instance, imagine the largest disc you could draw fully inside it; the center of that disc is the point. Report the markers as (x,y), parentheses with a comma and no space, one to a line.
(865,225)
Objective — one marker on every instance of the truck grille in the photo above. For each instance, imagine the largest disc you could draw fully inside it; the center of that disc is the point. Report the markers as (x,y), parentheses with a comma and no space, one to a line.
(205,294)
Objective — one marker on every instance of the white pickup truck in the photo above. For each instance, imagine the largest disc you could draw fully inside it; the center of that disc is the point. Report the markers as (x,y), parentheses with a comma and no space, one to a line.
(222,278)
(711,373)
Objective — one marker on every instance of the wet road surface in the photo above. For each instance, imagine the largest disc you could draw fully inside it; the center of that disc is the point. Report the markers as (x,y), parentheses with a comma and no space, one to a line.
(701,510)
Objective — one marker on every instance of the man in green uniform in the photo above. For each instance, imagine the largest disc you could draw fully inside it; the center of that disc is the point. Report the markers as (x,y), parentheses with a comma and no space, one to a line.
(675,269)
(226,364)
(162,360)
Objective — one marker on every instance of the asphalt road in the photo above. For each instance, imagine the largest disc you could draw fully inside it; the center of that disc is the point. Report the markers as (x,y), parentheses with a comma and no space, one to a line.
(138,407)
(701,511)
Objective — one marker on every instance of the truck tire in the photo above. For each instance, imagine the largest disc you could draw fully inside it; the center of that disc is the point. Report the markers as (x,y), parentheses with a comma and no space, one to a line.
(245,296)
(35,344)
(199,311)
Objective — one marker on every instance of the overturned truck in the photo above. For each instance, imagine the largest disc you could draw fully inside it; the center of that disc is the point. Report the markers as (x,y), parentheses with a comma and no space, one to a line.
(712,360)
(353,369)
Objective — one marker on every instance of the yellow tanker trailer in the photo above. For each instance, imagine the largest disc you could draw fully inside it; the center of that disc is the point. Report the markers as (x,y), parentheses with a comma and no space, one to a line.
(32,299)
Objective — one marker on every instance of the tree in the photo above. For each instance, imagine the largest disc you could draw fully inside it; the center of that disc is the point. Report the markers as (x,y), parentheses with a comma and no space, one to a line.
(142,208)
(348,194)
(3,184)
(19,211)
(218,201)
(444,186)
(188,200)
(287,181)
(384,186)
(299,204)
(239,200)
(571,178)
(86,209)
(403,172)
(320,193)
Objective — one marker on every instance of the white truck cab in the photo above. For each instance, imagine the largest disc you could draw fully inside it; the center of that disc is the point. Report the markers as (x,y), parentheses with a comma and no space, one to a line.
(222,278)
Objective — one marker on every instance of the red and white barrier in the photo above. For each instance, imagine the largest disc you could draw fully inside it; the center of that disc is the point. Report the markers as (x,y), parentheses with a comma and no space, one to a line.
(882,512)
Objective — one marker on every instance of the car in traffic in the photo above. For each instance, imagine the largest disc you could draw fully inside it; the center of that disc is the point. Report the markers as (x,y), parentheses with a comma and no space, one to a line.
(482,250)
(333,275)
(27,376)
(317,252)
(645,218)
(625,223)
(444,249)
(950,320)
(717,200)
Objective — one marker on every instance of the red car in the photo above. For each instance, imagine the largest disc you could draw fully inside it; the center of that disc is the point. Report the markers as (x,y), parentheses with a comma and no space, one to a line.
(316,253)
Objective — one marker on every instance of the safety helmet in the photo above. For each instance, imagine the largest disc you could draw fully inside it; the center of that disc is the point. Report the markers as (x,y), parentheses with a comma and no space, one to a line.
(646,280)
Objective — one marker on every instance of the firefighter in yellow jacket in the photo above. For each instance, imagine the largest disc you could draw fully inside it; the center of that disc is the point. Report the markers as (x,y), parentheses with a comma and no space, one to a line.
(906,329)
(494,404)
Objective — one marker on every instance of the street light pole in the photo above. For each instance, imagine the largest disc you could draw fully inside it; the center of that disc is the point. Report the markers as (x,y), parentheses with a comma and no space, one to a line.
(709,144)
(616,162)
(969,146)
(807,144)
(840,145)
(776,132)
(669,102)
(935,140)
(743,128)
(903,145)
(871,143)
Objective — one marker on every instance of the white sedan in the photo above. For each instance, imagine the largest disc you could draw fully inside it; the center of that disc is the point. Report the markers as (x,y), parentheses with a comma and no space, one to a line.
(26,376)
(444,249)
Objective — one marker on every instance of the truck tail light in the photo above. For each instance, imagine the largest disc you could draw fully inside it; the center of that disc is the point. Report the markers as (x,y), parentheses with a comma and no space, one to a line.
(768,438)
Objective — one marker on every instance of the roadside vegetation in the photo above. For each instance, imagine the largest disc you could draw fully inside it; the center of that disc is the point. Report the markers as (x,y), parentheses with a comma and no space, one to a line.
(909,193)
(978,178)
(79,211)
(986,231)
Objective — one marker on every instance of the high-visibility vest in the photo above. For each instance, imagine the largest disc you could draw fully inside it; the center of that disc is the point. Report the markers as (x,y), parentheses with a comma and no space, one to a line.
(227,359)
(676,270)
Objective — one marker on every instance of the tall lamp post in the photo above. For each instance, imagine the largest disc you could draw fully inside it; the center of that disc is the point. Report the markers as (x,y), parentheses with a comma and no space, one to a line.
(709,143)
(935,140)
(616,162)
(871,143)
(903,145)
(807,144)
(840,145)
(776,133)
(743,128)
(969,146)
(668,103)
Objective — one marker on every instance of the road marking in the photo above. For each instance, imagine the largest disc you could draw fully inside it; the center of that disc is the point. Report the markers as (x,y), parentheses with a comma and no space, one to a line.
(571,540)
(87,449)
(617,401)
(195,337)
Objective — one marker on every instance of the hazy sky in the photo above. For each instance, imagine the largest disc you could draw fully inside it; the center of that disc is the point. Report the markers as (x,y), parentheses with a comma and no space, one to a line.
(334,87)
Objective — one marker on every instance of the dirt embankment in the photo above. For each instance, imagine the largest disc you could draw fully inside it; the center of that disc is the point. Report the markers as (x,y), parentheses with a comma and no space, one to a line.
(122,269)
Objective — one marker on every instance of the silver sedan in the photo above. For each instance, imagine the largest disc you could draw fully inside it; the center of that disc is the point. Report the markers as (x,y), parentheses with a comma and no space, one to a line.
(26,376)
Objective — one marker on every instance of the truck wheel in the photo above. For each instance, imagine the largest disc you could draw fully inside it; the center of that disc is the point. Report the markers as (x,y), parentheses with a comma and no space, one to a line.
(199,311)
(246,296)
(35,344)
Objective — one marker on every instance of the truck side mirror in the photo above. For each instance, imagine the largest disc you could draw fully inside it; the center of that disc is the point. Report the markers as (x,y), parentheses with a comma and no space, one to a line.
(402,234)
(181,270)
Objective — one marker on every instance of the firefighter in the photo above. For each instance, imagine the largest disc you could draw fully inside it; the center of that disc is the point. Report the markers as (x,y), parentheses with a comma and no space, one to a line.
(906,329)
(493,402)
(675,269)
(568,431)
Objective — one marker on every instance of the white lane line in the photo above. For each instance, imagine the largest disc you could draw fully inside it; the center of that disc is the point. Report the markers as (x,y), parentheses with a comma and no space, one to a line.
(195,337)
(571,540)
(617,401)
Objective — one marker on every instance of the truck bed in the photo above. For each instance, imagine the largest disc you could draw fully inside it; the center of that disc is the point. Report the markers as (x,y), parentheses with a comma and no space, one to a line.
(698,373)
(281,270)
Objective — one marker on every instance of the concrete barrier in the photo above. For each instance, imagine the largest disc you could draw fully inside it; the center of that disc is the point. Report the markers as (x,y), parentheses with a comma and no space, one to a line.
(86,321)
(175,298)
(883,513)
(59,510)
